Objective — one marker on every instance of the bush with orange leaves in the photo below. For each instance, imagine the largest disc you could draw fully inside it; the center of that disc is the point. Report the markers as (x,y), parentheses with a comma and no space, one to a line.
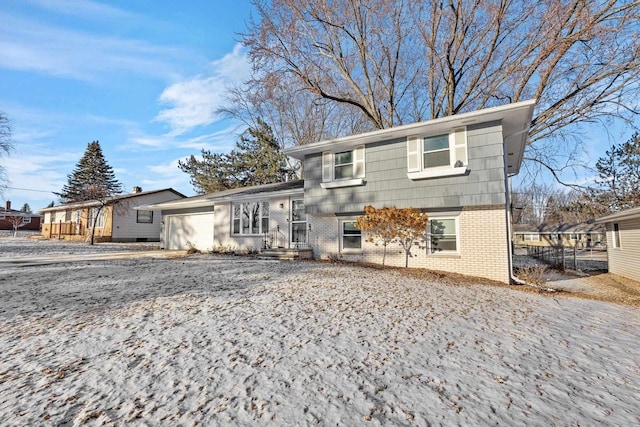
(385,225)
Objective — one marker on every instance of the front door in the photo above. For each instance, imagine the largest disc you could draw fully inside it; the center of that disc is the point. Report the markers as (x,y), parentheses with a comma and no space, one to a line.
(298,224)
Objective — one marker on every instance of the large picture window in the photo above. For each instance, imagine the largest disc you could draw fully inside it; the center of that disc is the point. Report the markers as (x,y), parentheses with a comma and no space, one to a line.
(443,235)
(250,218)
(350,237)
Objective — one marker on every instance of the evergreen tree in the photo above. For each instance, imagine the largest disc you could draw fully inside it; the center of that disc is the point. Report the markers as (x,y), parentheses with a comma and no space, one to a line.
(619,172)
(92,178)
(25,208)
(257,159)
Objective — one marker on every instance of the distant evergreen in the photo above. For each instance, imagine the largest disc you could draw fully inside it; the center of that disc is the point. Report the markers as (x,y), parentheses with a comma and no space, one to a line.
(92,178)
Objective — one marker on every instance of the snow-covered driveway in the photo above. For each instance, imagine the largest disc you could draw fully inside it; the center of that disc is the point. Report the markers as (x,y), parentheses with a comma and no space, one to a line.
(214,340)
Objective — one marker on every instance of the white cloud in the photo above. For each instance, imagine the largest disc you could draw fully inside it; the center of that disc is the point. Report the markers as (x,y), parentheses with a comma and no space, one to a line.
(168,175)
(166,169)
(194,102)
(83,8)
(222,140)
(31,46)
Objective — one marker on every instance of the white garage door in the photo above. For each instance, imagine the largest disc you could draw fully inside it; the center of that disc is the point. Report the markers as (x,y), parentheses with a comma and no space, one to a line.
(188,230)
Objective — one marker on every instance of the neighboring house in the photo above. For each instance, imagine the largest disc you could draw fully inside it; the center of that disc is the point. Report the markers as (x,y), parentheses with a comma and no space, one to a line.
(456,169)
(118,221)
(623,242)
(582,235)
(30,220)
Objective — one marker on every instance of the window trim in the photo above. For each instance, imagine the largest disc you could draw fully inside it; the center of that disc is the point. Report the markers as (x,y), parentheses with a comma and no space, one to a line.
(531,237)
(26,219)
(329,179)
(144,222)
(457,235)
(415,155)
(260,221)
(303,220)
(102,220)
(352,251)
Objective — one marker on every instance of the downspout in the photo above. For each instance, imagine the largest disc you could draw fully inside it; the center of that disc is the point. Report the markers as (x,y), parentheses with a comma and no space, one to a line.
(513,280)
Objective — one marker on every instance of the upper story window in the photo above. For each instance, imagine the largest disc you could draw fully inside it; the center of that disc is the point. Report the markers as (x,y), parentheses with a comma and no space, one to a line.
(343,169)
(437,155)
(250,218)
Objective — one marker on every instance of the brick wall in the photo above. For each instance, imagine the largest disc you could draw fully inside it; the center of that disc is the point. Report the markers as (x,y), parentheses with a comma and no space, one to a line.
(483,246)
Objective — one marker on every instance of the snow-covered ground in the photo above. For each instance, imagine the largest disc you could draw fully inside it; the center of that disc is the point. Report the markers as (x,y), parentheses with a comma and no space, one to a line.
(214,340)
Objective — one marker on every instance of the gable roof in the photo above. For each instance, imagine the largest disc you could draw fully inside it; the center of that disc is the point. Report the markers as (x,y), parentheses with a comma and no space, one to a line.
(515,118)
(15,212)
(234,194)
(625,214)
(113,199)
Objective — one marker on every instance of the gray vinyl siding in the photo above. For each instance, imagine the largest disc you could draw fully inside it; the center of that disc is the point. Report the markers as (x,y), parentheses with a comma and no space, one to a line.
(387,183)
(623,261)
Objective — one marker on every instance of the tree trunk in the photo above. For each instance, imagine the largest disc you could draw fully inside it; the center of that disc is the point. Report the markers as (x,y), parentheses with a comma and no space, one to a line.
(93,225)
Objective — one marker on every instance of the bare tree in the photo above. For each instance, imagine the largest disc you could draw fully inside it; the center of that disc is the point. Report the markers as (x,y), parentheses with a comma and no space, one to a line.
(397,61)
(296,116)
(6,146)
(17,221)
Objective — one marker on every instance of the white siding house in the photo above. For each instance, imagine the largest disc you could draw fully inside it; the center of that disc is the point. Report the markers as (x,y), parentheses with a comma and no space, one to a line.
(623,242)
(119,220)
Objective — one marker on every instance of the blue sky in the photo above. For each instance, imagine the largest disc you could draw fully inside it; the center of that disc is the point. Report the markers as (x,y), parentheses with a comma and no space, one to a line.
(144,78)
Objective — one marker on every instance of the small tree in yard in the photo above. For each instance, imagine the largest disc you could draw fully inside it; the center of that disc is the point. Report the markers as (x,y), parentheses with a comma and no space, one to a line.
(16,221)
(387,225)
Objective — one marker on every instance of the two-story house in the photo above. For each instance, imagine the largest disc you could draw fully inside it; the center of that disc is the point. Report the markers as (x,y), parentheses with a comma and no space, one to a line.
(456,169)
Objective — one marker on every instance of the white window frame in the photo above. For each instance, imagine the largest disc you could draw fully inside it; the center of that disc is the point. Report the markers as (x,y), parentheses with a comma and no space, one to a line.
(26,220)
(531,237)
(342,235)
(148,213)
(101,219)
(240,220)
(329,179)
(458,155)
(430,250)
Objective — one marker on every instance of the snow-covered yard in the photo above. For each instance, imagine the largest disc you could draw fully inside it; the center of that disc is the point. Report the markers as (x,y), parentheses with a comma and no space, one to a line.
(213,340)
